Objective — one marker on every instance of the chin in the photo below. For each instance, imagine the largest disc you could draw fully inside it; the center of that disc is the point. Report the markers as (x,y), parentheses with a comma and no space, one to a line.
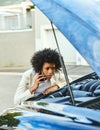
(49,77)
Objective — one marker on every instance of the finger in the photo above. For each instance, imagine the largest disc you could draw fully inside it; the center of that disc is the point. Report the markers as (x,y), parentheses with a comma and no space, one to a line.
(39,76)
(45,92)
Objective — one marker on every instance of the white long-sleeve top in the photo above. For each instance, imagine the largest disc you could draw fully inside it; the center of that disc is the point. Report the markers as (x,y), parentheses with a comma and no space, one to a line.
(27,81)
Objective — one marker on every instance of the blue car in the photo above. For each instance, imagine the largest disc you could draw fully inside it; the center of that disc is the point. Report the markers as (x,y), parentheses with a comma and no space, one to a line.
(76,106)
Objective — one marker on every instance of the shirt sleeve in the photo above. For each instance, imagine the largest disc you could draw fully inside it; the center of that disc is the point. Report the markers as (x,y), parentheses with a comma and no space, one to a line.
(22,92)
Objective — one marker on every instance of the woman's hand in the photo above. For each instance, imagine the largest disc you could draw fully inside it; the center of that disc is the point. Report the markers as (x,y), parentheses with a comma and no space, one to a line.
(51,89)
(38,79)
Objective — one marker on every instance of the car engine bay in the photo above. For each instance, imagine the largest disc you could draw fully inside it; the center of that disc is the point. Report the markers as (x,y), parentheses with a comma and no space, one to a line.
(86,92)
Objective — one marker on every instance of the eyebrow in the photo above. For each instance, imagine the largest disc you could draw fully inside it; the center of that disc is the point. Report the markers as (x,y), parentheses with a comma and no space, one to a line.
(50,67)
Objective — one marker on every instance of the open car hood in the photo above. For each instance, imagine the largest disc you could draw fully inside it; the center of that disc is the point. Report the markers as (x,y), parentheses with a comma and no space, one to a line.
(79,22)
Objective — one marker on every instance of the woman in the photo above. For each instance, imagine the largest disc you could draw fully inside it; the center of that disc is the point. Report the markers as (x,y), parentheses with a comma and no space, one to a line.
(41,78)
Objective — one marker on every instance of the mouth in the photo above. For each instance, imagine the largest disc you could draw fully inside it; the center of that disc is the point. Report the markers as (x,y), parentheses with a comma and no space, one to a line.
(49,76)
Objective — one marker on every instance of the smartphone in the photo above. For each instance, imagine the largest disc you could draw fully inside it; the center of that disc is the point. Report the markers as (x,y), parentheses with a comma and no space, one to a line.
(41,73)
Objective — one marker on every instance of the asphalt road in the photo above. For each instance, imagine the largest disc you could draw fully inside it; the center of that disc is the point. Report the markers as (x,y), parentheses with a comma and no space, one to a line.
(8,85)
(9,80)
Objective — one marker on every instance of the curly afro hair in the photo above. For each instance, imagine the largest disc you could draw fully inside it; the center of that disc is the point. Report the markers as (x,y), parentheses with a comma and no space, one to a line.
(46,55)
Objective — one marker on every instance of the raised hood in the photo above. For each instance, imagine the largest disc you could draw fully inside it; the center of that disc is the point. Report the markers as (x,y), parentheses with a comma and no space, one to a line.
(79,22)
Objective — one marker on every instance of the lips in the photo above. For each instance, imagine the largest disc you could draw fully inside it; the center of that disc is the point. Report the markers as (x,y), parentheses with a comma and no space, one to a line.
(49,76)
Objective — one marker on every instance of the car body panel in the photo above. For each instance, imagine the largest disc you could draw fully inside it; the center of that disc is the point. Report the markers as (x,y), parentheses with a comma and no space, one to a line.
(41,115)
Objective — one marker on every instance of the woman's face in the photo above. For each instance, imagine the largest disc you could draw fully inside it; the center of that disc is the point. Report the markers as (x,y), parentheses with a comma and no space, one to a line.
(48,69)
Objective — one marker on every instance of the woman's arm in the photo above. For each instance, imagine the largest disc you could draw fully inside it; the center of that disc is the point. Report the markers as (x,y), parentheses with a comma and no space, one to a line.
(37,81)
(51,89)
(22,92)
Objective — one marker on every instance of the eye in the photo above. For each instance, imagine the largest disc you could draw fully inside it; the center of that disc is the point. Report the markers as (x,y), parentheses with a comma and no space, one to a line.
(47,68)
